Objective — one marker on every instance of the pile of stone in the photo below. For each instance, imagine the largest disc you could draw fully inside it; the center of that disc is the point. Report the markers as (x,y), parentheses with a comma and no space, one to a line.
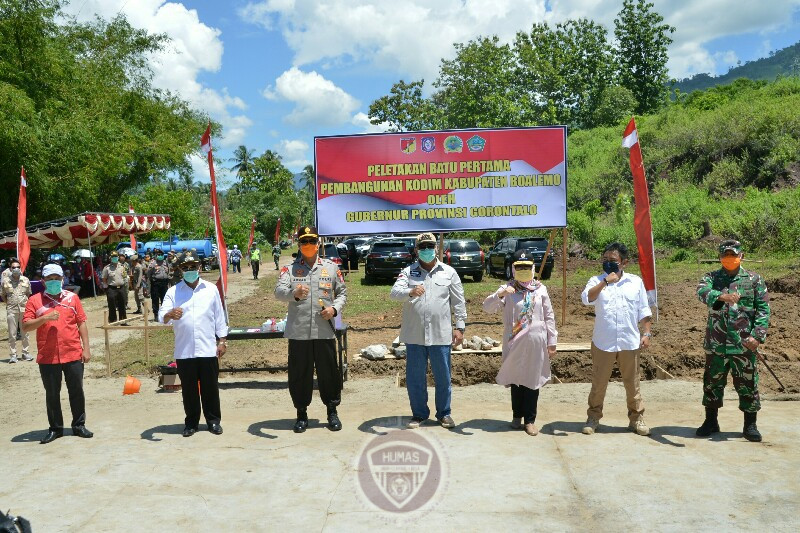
(379,352)
(481,344)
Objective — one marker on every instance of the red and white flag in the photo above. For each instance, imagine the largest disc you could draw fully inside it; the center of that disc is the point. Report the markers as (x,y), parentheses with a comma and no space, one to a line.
(133,239)
(23,245)
(642,224)
(278,232)
(252,236)
(222,250)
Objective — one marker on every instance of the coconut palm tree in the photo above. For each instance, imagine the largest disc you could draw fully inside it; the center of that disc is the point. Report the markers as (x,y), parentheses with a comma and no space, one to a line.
(243,157)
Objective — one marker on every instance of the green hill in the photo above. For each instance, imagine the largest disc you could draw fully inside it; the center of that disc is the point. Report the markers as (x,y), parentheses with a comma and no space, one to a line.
(724,162)
(785,62)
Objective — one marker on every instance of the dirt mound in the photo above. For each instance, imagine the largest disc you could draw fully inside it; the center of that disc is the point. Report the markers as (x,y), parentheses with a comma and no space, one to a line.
(787,284)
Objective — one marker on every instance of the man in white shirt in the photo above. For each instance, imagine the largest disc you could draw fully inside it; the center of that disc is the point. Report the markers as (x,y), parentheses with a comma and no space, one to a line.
(194,309)
(621,308)
(431,293)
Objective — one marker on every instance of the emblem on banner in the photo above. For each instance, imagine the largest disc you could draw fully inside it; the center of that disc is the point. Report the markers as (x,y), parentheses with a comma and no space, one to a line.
(428,144)
(453,144)
(408,145)
(476,143)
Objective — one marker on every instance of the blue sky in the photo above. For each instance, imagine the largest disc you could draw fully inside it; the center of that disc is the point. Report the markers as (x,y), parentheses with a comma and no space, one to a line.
(275,73)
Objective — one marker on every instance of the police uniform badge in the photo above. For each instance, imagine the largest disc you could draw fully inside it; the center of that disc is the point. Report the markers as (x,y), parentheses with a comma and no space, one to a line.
(428,144)
(476,143)
(324,273)
(408,145)
(453,144)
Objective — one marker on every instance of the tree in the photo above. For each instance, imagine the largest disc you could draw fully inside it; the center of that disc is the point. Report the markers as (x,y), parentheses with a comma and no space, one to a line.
(614,105)
(562,72)
(77,108)
(268,174)
(243,159)
(404,109)
(476,88)
(642,42)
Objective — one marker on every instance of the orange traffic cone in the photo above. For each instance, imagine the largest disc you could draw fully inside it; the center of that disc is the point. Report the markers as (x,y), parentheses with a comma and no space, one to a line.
(132,385)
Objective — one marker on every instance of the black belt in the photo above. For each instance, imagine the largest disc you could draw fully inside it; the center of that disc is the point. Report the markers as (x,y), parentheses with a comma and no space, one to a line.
(116,286)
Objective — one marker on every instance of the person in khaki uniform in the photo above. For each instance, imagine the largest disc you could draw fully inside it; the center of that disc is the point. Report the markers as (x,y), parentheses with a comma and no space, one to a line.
(126,267)
(315,291)
(138,283)
(16,289)
(116,282)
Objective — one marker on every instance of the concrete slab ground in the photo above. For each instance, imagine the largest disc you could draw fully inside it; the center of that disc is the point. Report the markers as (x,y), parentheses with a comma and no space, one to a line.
(139,473)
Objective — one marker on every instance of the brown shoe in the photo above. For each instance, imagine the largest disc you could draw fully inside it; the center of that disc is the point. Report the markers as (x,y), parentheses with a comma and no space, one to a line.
(531,429)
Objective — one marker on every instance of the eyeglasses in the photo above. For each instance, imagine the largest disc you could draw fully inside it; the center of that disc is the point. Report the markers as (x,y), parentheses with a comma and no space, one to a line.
(426,246)
(308,241)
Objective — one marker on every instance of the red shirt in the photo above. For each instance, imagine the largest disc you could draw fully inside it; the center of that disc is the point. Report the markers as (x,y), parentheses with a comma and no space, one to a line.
(58,341)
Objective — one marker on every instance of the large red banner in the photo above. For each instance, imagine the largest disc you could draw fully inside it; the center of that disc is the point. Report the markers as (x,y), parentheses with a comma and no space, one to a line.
(441,181)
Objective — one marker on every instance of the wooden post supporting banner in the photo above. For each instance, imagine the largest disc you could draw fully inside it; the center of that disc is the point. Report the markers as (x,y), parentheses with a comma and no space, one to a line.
(108,344)
(547,252)
(565,236)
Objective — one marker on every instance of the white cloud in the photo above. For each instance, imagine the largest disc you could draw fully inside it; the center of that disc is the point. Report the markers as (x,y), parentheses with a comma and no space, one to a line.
(294,153)
(317,100)
(410,38)
(194,48)
(407,38)
(362,121)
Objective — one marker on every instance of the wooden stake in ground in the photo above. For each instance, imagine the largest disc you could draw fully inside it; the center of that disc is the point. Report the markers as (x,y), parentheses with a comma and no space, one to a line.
(108,344)
(146,334)
(547,251)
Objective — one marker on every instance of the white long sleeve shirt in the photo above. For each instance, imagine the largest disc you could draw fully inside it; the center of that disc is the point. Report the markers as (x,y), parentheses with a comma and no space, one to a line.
(428,319)
(618,310)
(203,319)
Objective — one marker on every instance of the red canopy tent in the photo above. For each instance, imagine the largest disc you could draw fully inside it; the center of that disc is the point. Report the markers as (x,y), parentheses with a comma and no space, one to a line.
(86,229)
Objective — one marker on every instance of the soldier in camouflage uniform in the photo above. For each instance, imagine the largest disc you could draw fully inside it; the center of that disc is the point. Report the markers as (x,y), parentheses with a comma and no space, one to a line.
(738,317)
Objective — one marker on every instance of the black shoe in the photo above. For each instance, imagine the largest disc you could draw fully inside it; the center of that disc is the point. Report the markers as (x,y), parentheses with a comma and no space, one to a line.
(51,436)
(750,430)
(302,421)
(137,312)
(81,431)
(334,424)
(710,424)
(215,428)
(188,432)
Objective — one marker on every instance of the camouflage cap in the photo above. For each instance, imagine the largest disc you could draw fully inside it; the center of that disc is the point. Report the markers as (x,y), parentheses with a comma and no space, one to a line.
(426,237)
(189,258)
(730,244)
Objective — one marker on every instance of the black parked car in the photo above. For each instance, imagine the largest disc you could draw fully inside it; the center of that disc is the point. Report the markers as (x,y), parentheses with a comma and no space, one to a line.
(386,258)
(465,256)
(500,257)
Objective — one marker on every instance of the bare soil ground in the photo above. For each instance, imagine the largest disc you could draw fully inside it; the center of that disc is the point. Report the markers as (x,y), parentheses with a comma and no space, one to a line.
(677,342)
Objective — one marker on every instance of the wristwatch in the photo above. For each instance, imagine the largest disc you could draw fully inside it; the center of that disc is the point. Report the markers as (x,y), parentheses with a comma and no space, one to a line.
(648,334)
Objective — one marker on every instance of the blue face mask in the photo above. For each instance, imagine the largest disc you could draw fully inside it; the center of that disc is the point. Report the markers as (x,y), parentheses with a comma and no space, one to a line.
(115,259)
(52,286)
(190,276)
(427,255)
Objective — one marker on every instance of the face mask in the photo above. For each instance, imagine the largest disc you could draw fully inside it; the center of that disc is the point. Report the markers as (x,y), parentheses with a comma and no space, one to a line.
(731,262)
(53,286)
(16,272)
(427,255)
(524,275)
(309,250)
(190,276)
(610,267)
(115,260)
(159,258)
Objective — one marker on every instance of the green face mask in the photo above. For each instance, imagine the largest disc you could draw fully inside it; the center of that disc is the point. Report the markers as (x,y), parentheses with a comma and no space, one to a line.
(115,260)
(52,286)
(190,276)
(159,258)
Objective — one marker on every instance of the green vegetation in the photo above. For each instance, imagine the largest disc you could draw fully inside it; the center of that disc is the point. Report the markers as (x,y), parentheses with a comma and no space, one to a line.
(785,62)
